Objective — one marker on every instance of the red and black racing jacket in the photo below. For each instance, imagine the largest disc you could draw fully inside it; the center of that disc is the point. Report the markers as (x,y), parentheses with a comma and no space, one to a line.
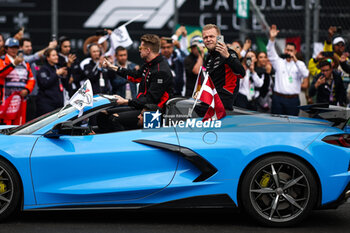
(225,73)
(155,80)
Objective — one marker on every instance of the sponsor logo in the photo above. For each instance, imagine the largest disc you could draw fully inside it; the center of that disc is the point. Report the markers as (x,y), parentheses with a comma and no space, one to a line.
(154,120)
(110,13)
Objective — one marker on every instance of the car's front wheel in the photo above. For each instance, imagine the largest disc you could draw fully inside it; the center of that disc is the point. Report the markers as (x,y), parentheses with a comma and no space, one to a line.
(278,191)
(10,190)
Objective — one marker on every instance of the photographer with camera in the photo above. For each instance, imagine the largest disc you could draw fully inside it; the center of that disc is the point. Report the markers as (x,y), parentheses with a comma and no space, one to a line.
(66,58)
(223,65)
(328,86)
(248,92)
(15,77)
(289,75)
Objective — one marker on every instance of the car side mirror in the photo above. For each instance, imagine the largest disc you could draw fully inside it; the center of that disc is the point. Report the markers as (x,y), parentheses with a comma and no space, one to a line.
(60,129)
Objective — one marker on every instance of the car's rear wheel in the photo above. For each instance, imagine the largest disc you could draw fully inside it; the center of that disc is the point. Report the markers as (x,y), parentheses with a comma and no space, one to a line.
(278,191)
(10,190)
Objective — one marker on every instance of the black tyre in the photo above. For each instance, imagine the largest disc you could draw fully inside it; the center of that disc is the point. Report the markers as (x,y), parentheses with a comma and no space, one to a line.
(278,191)
(10,191)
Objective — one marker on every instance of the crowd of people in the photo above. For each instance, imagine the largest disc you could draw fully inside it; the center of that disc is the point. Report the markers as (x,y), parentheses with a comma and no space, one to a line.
(33,84)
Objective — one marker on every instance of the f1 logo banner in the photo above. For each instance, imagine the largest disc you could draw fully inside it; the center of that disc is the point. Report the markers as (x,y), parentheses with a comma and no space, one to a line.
(155,13)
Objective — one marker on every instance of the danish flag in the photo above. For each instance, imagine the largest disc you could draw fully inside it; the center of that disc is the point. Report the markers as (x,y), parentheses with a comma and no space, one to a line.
(208,95)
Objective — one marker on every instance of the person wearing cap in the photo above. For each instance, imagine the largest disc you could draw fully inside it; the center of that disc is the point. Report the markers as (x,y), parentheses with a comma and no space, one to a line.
(336,43)
(15,76)
(193,62)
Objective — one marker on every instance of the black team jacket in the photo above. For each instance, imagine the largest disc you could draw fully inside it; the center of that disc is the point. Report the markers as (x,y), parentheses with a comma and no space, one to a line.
(225,74)
(155,80)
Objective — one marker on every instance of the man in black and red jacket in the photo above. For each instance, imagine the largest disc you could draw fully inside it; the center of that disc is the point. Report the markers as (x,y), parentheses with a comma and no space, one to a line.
(154,76)
(223,66)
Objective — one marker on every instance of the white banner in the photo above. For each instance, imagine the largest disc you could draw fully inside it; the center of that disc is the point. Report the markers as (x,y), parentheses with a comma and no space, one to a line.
(83,97)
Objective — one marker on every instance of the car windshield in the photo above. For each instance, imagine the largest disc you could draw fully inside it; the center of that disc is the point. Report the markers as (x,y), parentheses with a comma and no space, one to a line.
(33,125)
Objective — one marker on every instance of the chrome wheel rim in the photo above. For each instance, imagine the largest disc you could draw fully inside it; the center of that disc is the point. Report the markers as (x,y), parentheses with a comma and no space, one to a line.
(6,189)
(279,192)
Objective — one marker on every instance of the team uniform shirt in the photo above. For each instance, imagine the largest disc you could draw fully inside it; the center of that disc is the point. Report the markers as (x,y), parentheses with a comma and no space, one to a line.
(249,84)
(289,75)
(155,80)
(225,73)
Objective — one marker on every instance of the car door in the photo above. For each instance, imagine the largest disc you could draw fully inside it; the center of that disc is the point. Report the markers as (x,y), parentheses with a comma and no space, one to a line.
(102,167)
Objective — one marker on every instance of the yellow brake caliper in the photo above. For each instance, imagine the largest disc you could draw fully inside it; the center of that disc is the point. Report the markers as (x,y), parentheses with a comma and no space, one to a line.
(265,180)
(2,187)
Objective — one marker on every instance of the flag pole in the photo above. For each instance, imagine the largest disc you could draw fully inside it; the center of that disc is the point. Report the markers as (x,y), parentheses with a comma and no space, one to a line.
(131,20)
(199,94)
(195,87)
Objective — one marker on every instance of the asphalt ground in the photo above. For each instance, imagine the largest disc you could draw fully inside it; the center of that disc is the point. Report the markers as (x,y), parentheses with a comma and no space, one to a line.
(167,221)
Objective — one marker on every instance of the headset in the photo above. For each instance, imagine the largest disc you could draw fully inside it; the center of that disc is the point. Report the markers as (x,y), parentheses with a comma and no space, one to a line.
(60,42)
(89,47)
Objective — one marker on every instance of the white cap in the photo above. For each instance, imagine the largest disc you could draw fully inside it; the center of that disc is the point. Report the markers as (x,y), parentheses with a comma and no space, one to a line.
(338,40)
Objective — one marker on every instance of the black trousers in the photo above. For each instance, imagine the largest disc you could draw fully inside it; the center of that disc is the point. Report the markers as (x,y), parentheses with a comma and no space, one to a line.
(127,119)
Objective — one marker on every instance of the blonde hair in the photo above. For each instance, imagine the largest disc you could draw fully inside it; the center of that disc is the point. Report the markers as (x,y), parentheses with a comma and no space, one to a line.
(152,41)
(210,26)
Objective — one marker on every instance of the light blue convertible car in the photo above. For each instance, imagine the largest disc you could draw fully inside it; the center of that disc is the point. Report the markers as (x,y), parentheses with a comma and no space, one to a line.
(275,168)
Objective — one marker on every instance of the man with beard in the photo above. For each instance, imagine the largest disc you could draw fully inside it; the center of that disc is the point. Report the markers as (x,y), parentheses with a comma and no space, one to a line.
(288,78)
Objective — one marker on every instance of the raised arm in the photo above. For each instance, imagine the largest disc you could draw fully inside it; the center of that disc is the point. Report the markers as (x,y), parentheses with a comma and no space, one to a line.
(271,50)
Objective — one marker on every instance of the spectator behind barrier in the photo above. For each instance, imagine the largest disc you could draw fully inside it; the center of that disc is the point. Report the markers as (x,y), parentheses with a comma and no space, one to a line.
(51,83)
(328,86)
(248,86)
(15,76)
(289,75)
(193,63)
(264,70)
(120,85)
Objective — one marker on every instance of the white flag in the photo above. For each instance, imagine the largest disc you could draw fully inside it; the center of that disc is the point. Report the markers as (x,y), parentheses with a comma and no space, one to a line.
(83,97)
(119,37)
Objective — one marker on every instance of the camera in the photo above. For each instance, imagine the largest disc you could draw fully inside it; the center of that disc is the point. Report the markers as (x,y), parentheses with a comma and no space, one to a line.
(20,53)
(285,55)
(248,61)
